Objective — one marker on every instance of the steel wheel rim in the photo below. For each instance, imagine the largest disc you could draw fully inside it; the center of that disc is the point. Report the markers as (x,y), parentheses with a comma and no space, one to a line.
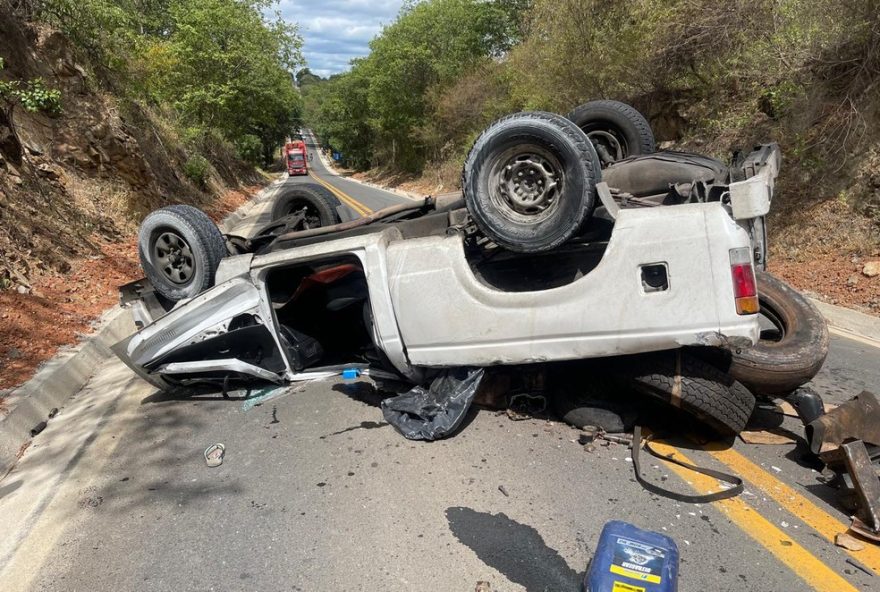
(610,147)
(174,258)
(525,183)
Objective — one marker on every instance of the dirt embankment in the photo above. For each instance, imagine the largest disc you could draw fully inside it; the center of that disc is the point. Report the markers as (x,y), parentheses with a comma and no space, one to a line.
(61,307)
(73,188)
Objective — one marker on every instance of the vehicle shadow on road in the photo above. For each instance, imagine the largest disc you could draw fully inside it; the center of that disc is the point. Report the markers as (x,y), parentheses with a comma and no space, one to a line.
(516,550)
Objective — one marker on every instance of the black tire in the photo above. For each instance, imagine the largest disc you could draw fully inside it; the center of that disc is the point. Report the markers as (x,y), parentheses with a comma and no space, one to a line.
(180,249)
(529,181)
(706,392)
(791,354)
(320,205)
(602,401)
(616,130)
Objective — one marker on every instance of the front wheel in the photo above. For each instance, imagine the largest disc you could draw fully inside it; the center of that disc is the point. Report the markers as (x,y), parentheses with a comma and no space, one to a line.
(180,249)
(529,181)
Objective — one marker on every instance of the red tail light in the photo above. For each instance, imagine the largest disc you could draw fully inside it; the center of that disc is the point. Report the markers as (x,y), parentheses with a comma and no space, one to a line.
(745,291)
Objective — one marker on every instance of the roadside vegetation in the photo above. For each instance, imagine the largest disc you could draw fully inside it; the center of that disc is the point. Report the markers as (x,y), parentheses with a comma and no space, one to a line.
(143,102)
(219,70)
(710,76)
(108,110)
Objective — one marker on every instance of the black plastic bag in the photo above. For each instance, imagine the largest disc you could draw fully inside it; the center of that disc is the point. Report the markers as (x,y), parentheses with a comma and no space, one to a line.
(435,412)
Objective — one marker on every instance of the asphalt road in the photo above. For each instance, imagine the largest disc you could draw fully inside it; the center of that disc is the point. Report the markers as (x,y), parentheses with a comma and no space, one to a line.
(356,199)
(359,198)
(317,492)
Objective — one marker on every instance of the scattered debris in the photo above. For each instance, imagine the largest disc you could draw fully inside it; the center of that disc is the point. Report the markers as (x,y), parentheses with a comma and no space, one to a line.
(736,482)
(435,412)
(857,419)
(516,415)
(267,394)
(593,433)
(214,454)
(772,436)
(848,542)
(483,587)
(38,428)
(859,485)
(503,490)
(860,566)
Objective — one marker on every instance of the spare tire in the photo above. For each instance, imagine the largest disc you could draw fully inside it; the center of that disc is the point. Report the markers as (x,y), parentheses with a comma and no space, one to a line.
(180,249)
(790,353)
(319,205)
(616,130)
(529,181)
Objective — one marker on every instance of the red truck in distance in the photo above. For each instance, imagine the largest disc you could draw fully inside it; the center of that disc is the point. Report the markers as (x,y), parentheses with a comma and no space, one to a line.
(295,157)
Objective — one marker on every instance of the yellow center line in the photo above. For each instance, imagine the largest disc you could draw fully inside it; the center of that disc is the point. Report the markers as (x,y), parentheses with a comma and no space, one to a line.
(804,564)
(352,202)
(811,514)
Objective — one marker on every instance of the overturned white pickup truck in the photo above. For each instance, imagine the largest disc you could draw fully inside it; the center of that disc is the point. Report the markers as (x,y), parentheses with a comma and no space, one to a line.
(432,285)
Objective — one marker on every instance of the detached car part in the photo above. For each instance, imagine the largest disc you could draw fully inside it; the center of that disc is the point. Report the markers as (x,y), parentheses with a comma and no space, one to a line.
(857,419)
(859,483)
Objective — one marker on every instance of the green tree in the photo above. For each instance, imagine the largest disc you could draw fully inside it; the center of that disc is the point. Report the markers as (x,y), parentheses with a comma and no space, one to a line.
(224,66)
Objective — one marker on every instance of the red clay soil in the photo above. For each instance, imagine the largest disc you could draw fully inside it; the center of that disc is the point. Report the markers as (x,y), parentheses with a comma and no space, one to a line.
(61,308)
(836,279)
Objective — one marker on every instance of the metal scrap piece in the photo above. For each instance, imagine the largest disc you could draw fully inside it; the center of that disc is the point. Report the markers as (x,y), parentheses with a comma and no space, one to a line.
(853,457)
(857,419)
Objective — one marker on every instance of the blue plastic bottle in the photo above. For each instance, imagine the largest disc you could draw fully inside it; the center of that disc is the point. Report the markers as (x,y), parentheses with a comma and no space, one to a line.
(629,559)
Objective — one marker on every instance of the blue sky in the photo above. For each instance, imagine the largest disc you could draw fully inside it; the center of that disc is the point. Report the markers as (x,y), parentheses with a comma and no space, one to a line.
(335,31)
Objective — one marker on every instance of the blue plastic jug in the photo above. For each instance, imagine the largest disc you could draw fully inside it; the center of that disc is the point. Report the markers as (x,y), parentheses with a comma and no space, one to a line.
(629,559)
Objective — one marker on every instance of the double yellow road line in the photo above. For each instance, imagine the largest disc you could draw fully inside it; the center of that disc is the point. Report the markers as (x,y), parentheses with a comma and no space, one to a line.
(815,573)
(351,202)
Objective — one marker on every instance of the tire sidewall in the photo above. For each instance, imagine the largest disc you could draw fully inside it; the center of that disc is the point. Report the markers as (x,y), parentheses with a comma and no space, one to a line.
(777,367)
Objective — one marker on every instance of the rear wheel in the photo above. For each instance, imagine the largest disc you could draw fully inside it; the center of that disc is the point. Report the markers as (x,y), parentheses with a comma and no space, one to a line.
(529,181)
(316,203)
(180,249)
(616,130)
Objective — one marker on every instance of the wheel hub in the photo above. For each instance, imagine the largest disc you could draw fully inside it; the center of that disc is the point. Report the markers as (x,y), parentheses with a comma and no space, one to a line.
(608,146)
(528,183)
(174,257)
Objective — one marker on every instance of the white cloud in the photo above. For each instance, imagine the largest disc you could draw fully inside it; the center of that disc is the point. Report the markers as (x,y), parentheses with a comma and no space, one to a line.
(335,31)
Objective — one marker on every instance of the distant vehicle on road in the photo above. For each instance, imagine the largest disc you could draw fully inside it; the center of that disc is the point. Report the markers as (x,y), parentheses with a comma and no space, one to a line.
(295,157)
